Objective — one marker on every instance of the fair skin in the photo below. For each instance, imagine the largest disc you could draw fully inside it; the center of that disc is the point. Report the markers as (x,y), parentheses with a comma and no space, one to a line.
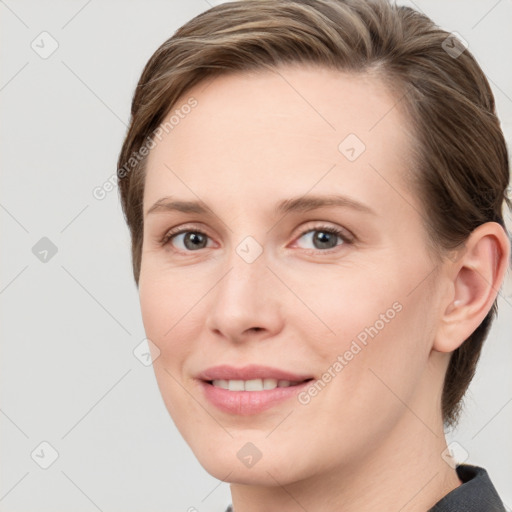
(372,438)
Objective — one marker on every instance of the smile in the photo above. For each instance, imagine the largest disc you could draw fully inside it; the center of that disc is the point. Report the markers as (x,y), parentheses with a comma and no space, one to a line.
(253,384)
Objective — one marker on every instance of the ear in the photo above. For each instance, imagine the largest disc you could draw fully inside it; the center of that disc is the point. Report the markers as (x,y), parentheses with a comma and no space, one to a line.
(476,277)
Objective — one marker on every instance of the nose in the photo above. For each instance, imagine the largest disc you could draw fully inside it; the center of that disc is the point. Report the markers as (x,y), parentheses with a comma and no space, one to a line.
(245,302)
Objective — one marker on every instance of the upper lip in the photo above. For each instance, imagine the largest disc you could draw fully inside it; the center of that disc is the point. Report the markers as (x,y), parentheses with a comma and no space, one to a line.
(253,371)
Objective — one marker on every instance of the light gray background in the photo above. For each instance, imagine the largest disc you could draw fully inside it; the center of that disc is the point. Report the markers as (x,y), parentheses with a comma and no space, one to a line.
(69,326)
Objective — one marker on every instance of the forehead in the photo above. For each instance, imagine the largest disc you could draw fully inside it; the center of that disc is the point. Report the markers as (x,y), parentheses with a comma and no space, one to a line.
(281,128)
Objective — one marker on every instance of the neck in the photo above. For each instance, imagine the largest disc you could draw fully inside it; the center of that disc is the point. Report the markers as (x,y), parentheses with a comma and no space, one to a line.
(406,472)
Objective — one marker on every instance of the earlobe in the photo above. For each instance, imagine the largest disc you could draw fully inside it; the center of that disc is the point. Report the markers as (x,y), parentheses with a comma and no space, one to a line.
(477,277)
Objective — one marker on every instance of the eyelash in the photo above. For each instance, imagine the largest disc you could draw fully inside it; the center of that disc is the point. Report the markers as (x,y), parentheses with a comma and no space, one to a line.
(326,229)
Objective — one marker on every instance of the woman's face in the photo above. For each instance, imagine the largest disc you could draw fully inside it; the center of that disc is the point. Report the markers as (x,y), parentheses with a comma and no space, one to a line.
(303,256)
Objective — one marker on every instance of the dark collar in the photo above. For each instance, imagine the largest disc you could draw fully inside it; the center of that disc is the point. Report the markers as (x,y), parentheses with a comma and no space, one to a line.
(476,494)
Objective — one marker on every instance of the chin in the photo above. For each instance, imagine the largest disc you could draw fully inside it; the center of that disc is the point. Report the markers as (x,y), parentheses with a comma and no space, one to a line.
(240,461)
(262,473)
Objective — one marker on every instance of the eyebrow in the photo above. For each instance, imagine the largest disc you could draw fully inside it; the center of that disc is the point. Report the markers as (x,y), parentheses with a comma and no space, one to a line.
(314,202)
(294,204)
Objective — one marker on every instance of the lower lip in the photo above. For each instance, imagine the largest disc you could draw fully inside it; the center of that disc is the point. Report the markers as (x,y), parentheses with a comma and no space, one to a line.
(245,403)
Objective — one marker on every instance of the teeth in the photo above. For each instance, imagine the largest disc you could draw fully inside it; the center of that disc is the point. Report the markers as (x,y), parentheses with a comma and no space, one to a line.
(224,384)
(269,383)
(253,384)
(235,385)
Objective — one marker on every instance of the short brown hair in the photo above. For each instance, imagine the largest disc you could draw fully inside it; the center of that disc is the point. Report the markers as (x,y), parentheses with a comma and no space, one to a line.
(462,168)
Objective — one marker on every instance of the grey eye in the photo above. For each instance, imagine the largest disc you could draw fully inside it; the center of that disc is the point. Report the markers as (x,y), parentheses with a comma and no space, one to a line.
(322,238)
(192,240)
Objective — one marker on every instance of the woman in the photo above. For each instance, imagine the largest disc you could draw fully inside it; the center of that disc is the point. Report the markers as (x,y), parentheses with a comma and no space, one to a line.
(314,191)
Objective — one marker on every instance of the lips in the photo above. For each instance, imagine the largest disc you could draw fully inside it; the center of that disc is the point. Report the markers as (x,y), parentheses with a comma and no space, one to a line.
(251,389)
(250,372)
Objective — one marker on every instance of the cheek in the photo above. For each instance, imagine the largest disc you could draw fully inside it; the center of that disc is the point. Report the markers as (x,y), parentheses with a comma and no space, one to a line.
(154,303)
(370,333)
(166,309)
(166,294)
(340,305)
